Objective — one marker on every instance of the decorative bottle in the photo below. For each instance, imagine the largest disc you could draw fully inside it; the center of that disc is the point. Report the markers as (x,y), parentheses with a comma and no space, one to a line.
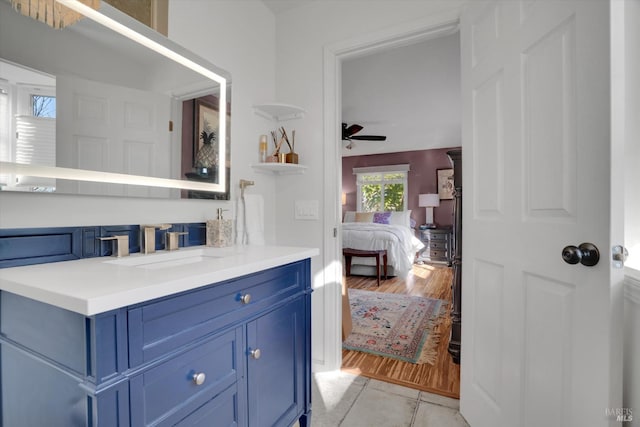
(263,148)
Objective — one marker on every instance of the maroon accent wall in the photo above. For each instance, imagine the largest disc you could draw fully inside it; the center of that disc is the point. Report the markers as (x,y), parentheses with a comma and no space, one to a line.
(422,179)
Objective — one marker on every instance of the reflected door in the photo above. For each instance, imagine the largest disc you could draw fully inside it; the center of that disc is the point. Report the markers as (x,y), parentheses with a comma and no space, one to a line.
(111,128)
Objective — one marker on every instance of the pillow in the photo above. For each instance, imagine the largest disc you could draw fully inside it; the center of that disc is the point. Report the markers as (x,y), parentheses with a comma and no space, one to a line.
(401,218)
(364,216)
(349,216)
(381,217)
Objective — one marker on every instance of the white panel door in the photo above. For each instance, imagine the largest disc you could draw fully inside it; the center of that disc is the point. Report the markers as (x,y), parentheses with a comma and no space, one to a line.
(115,129)
(537,347)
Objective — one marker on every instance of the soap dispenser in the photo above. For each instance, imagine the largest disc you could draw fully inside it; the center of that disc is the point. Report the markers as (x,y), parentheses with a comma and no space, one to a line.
(219,231)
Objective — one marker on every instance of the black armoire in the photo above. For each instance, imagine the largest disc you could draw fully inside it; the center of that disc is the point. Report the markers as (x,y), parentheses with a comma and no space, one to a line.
(455,156)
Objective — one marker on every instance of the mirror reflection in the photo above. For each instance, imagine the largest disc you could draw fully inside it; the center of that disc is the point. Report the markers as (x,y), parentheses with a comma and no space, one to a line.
(85,110)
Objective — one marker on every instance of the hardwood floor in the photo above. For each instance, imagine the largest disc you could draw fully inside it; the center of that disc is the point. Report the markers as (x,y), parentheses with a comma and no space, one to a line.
(442,378)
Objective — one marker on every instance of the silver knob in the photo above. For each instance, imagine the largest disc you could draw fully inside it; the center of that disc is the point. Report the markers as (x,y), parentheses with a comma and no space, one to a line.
(255,353)
(245,299)
(199,378)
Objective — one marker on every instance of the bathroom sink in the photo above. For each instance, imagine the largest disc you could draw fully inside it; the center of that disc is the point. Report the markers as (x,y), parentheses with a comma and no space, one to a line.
(161,260)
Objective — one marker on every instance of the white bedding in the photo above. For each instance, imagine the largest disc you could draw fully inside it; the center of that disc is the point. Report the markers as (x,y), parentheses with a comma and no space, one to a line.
(399,241)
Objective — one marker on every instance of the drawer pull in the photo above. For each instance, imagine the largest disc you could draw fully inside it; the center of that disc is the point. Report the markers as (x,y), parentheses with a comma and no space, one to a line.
(245,299)
(255,353)
(198,379)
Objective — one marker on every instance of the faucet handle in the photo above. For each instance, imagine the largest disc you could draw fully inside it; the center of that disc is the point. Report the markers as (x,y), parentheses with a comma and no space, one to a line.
(158,226)
(172,243)
(120,245)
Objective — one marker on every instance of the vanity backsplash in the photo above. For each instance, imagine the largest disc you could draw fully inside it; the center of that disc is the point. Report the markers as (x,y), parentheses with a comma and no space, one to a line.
(27,246)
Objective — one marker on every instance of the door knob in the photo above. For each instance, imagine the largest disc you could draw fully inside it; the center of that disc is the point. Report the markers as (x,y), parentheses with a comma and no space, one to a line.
(586,254)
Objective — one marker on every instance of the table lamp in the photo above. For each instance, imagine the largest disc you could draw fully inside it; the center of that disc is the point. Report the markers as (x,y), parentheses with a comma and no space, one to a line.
(429,201)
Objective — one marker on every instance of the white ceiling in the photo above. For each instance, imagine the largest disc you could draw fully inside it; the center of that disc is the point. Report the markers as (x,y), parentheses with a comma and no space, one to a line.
(278,6)
(410,94)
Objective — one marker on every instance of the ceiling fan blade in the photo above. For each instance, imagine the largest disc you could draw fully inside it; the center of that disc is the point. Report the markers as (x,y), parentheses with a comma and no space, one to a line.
(369,137)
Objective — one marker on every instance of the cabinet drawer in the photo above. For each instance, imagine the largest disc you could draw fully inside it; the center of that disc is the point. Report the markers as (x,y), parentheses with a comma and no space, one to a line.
(167,393)
(220,411)
(438,244)
(436,254)
(158,327)
(438,236)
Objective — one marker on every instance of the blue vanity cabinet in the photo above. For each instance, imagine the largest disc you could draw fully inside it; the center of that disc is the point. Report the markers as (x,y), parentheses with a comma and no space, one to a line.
(187,359)
(60,368)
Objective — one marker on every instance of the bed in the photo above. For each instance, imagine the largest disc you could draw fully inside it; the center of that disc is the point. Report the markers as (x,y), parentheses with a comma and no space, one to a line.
(381,230)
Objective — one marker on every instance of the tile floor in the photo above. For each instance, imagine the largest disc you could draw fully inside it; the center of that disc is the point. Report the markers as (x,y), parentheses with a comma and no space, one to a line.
(344,400)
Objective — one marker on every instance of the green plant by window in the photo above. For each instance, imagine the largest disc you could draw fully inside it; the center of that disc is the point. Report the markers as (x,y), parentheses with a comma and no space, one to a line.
(382,191)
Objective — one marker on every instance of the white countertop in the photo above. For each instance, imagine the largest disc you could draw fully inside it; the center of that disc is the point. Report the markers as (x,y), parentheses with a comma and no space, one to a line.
(96,285)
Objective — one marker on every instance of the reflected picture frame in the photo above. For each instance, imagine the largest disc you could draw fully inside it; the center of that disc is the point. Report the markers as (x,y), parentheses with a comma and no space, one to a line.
(205,112)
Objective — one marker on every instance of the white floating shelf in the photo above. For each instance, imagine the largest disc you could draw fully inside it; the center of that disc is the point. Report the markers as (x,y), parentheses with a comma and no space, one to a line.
(280,168)
(279,112)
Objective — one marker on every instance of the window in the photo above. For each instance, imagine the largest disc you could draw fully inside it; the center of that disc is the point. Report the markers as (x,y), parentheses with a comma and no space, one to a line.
(35,134)
(43,106)
(382,188)
(27,125)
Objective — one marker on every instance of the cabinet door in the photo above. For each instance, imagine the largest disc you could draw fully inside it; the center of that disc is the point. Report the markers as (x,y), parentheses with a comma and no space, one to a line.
(170,393)
(276,378)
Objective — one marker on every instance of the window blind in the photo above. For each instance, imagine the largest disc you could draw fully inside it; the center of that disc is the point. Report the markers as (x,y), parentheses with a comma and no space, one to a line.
(35,145)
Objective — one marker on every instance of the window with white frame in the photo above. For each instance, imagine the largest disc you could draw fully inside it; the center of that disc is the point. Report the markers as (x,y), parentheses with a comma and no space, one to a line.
(27,124)
(382,188)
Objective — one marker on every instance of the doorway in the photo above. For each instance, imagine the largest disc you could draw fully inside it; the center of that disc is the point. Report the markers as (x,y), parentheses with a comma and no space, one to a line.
(335,58)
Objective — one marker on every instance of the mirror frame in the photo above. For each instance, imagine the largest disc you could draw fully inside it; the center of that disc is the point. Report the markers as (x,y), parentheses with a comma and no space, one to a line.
(130,28)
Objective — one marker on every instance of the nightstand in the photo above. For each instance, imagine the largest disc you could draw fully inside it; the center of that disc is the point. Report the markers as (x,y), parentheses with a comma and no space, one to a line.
(437,242)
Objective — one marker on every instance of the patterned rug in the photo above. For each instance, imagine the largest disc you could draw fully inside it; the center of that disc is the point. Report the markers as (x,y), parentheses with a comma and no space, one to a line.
(395,325)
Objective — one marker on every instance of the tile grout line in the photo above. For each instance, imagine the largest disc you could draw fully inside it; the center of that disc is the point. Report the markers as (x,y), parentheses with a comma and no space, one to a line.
(415,411)
(438,404)
(354,401)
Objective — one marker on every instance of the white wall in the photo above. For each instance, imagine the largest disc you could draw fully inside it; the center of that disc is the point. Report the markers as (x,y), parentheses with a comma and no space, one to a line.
(411,94)
(238,36)
(302,34)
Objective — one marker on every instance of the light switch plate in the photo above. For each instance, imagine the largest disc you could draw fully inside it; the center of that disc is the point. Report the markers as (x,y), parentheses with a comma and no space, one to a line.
(307,210)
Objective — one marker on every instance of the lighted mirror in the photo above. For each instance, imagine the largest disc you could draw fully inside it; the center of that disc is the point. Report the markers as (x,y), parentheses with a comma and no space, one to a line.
(107,106)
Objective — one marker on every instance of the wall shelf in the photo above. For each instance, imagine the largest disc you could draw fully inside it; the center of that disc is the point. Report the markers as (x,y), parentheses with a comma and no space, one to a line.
(280,168)
(279,112)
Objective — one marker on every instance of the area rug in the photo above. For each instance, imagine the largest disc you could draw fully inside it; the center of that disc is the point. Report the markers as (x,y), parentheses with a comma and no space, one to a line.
(395,325)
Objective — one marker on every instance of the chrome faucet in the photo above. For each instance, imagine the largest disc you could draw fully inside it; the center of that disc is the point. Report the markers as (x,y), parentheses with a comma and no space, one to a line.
(149,236)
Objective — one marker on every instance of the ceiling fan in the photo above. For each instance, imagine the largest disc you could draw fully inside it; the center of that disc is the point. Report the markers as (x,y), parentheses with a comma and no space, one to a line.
(349,134)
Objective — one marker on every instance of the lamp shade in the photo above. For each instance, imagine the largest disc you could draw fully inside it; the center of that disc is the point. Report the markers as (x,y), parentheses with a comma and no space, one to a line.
(428,200)
(344,198)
